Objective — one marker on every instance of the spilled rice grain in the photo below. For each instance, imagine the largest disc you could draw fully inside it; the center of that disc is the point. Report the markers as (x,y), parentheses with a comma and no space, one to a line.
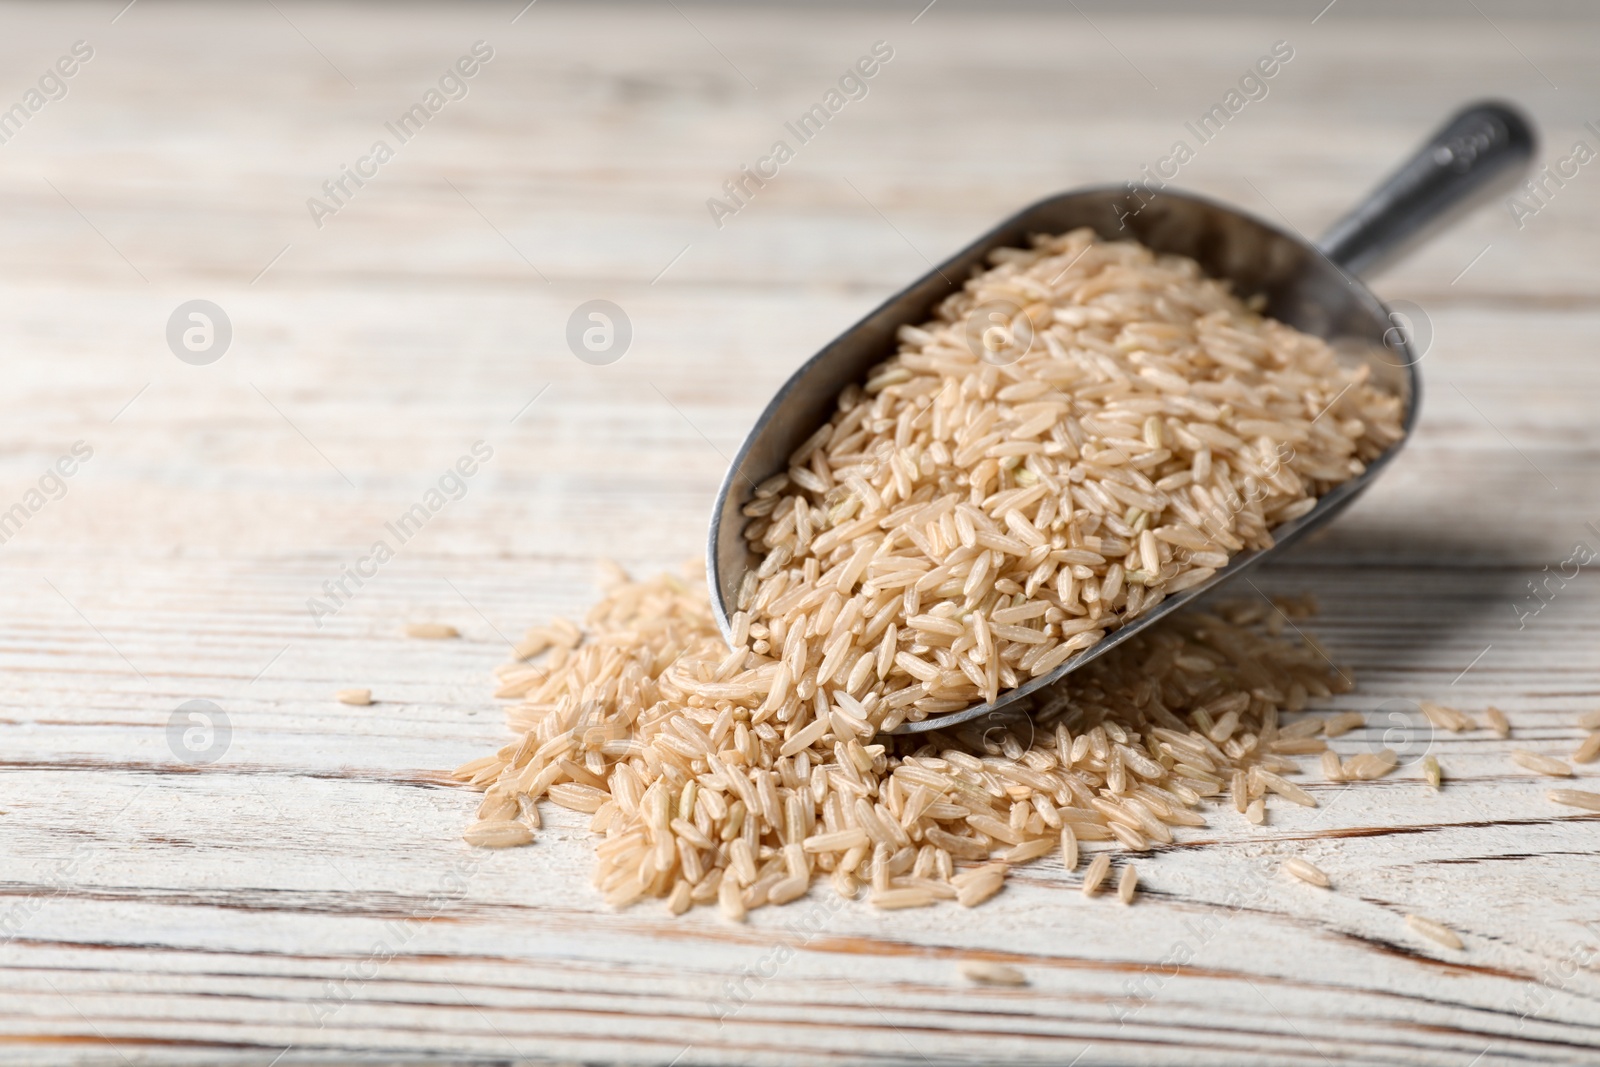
(434,631)
(1445,717)
(987,972)
(1497,721)
(1342,723)
(497,833)
(688,774)
(1434,931)
(1576,798)
(1533,761)
(1127,884)
(1306,871)
(1096,873)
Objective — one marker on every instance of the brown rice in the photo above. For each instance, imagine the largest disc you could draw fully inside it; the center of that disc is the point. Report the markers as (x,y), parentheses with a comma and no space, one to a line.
(1532,761)
(1434,931)
(1096,873)
(986,972)
(432,631)
(1576,798)
(960,526)
(1497,721)
(1127,883)
(1306,871)
(1589,750)
(963,523)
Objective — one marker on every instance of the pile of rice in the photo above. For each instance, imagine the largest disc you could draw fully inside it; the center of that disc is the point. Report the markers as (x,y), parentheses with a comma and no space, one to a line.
(1000,494)
(646,720)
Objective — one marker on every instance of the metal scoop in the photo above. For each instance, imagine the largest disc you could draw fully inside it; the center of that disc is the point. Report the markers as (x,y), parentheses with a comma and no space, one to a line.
(1312,287)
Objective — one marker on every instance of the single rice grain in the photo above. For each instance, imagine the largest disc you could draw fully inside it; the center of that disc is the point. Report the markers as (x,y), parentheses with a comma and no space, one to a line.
(1589,750)
(889,899)
(1306,871)
(1342,723)
(730,899)
(1533,761)
(987,972)
(498,833)
(1069,848)
(1434,931)
(1576,798)
(1096,873)
(434,631)
(1127,883)
(1445,717)
(1497,721)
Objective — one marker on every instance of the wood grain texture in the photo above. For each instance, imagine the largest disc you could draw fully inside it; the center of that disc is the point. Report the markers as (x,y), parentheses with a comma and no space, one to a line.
(307,898)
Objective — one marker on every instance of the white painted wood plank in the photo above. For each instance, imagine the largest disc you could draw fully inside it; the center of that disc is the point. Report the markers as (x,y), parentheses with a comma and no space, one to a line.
(309,891)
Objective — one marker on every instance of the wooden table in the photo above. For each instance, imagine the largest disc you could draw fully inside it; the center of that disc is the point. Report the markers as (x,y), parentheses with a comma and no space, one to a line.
(306,897)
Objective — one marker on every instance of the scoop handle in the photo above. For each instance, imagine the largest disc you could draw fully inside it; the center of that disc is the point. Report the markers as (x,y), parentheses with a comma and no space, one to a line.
(1480,151)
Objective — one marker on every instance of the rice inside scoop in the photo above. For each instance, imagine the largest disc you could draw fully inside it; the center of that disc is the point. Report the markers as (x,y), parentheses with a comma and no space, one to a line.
(1009,488)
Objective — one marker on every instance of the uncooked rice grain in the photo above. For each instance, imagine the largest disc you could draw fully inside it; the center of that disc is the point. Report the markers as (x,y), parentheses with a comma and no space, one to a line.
(1309,726)
(1069,848)
(1342,723)
(1127,884)
(1532,761)
(1589,750)
(1590,720)
(914,897)
(1497,721)
(497,833)
(359,697)
(1576,798)
(673,749)
(1285,788)
(1432,772)
(987,972)
(1434,931)
(1096,873)
(983,884)
(1369,766)
(1445,717)
(435,631)
(1306,871)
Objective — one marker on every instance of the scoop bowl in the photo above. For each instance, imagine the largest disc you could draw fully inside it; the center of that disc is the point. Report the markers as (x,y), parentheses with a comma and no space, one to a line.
(1310,286)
